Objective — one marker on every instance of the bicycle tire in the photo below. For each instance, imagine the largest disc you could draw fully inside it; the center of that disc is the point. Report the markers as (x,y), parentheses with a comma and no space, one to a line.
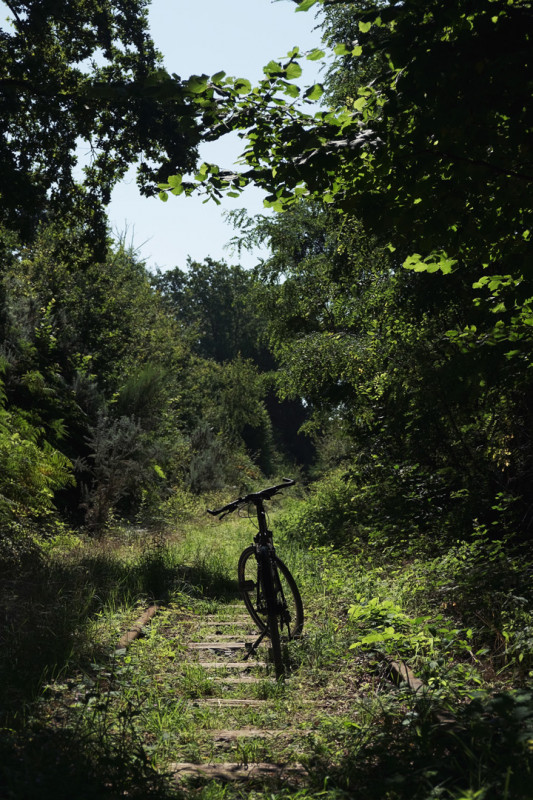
(267,569)
(292,617)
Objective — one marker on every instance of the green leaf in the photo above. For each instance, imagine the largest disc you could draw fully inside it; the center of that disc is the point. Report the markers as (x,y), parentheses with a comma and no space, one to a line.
(272,68)
(341,50)
(481,282)
(291,89)
(315,55)
(314,92)
(293,71)
(202,172)
(364,27)
(163,196)
(218,76)
(306,5)
(360,103)
(242,86)
(432,263)
(413,262)
(380,636)
(446,265)
(197,84)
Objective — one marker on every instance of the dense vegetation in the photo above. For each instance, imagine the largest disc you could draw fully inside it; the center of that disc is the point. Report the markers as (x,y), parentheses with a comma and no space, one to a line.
(382,352)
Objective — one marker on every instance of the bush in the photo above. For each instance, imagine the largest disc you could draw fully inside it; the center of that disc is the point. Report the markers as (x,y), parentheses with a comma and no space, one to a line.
(327,517)
(32,470)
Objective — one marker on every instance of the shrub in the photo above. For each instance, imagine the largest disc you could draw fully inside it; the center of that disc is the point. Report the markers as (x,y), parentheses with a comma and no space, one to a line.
(328,515)
(32,470)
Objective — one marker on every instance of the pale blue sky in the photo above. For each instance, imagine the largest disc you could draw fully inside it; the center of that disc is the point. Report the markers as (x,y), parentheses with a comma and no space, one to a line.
(205,36)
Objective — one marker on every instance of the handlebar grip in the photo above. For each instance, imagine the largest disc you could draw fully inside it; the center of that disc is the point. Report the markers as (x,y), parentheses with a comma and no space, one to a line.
(227,509)
(254,497)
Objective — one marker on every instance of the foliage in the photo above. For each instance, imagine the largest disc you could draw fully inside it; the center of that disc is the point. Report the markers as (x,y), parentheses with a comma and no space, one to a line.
(119,463)
(83,74)
(86,341)
(427,597)
(32,469)
(328,516)
(220,314)
(208,467)
(214,304)
(423,429)
(432,390)
(119,719)
(467,207)
(397,306)
(444,387)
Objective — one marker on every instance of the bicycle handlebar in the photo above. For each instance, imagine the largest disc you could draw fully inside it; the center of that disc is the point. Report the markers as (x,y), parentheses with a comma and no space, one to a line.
(254,497)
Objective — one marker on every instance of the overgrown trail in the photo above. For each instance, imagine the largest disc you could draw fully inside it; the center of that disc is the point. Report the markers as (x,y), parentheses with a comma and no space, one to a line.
(228,725)
(178,714)
(251,715)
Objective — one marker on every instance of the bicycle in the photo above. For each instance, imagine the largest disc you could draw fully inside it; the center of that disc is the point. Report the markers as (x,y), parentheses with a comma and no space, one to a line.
(267,587)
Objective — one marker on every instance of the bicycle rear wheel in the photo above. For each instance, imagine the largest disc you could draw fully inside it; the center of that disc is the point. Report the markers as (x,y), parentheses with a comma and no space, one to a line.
(287,597)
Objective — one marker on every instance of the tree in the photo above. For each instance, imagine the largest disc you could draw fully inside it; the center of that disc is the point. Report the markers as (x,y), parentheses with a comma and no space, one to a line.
(94,363)
(427,144)
(84,74)
(221,313)
(215,303)
(432,154)
(32,469)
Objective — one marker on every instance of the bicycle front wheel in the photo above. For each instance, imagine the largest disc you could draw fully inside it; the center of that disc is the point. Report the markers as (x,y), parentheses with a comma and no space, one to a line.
(288,600)
(268,579)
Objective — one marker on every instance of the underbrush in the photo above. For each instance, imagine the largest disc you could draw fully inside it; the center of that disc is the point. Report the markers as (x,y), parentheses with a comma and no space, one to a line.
(109,721)
(474,592)
(63,602)
(70,710)
(459,614)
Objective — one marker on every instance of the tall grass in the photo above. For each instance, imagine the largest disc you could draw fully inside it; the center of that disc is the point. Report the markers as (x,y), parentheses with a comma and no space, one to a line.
(81,721)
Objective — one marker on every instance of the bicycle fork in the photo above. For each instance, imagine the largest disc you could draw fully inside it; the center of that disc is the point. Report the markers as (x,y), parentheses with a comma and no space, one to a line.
(266,593)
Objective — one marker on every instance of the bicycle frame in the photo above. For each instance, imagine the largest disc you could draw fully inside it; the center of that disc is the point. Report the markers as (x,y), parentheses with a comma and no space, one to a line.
(266,568)
(264,536)
(269,607)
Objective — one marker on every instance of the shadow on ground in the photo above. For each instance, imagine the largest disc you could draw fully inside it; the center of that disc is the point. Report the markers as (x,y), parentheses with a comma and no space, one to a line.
(483,752)
(48,764)
(47,608)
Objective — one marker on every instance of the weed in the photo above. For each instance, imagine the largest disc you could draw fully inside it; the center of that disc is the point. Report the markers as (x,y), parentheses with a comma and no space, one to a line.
(118,721)
(271,690)
(195,682)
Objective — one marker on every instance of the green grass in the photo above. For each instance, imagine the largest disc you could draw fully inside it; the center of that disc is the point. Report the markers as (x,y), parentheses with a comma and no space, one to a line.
(112,722)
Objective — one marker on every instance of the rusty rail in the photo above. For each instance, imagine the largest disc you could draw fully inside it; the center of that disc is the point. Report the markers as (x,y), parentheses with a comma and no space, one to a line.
(137,628)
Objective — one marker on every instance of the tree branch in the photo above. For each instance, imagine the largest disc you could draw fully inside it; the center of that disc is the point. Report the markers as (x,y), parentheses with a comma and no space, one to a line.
(478,162)
(13,11)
